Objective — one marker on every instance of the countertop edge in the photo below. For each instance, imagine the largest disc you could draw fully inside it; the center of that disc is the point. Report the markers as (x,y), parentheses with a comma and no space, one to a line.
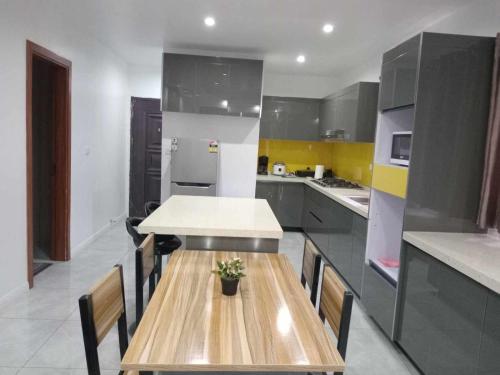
(307,181)
(443,255)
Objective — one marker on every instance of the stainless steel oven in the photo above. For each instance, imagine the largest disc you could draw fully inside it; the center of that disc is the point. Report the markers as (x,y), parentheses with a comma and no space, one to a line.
(400,151)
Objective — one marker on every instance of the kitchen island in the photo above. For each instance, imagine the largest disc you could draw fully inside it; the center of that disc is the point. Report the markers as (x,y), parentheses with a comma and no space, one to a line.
(217,223)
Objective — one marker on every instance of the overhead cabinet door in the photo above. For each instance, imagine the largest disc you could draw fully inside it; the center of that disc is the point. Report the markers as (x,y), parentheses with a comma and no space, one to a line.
(399,74)
(290,118)
(350,114)
(212,85)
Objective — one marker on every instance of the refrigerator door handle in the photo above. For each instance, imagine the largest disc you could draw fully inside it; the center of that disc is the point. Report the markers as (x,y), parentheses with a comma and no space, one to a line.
(193,184)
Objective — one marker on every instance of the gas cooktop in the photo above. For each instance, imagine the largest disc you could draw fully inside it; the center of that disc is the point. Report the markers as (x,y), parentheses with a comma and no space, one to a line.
(335,182)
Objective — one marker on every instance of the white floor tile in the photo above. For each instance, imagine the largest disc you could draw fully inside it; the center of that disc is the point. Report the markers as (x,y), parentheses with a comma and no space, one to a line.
(37,344)
(21,338)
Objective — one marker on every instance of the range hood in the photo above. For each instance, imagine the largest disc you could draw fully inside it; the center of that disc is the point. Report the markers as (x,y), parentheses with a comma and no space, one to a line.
(335,135)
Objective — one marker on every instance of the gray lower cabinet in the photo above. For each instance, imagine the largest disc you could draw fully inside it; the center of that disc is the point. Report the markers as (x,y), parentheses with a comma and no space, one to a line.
(339,233)
(448,324)
(339,251)
(359,232)
(286,200)
(378,296)
(489,358)
(289,118)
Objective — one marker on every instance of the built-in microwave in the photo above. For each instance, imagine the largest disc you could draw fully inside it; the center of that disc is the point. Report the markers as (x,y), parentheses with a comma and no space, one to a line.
(400,152)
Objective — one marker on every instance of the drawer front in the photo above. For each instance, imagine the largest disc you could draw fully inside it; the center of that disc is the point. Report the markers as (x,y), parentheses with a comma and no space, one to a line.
(379,298)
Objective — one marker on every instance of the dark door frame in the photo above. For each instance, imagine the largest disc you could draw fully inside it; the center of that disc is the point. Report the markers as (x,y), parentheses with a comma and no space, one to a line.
(62,153)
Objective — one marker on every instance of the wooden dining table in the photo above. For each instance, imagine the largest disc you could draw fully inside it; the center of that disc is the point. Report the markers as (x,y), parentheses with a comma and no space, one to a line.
(270,325)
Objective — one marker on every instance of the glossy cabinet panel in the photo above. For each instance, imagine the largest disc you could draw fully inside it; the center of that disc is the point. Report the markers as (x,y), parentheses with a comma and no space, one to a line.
(442,315)
(179,91)
(399,74)
(359,232)
(290,118)
(291,200)
(489,357)
(339,233)
(286,201)
(379,299)
(351,113)
(340,241)
(211,85)
(449,134)
(270,192)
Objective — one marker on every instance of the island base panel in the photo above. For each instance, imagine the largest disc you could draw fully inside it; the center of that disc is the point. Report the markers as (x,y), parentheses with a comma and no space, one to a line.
(263,245)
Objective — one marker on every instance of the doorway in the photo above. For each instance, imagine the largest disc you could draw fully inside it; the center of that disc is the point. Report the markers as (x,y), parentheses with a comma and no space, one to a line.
(48,157)
(145,154)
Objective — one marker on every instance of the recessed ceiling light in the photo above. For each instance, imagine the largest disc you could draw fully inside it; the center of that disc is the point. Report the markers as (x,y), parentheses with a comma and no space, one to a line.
(209,21)
(301,59)
(328,28)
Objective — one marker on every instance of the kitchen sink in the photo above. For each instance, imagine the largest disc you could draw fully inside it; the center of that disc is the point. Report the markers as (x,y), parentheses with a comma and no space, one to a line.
(361,200)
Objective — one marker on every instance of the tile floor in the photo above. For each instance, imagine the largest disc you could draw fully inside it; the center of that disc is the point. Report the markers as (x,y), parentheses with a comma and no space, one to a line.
(40,330)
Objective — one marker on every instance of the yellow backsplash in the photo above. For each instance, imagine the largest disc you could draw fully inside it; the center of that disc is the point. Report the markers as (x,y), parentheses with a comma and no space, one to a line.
(348,160)
(353,161)
(296,154)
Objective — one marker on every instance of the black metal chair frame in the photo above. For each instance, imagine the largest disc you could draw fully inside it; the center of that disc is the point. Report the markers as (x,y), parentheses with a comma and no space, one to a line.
(139,284)
(90,334)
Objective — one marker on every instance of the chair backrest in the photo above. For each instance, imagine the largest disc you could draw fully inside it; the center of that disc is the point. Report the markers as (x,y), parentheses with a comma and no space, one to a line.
(144,270)
(336,305)
(150,207)
(100,309)
(311,263)
(131,223)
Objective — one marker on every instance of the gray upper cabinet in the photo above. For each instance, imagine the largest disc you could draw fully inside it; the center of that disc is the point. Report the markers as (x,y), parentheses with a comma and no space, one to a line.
(211,85)
(449,133)
(290,118)
(350,114)
(399,74)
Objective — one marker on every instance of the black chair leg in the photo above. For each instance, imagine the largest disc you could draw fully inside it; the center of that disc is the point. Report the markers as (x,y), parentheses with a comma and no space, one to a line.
(159,266)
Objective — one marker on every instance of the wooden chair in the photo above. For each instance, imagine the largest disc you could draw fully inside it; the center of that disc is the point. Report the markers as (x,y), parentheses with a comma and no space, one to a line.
(144,270)
(311,263)
(335,305)
(99,311)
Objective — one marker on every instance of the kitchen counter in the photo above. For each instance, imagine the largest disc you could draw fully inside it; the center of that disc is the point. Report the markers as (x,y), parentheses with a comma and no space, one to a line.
(339,195)
(213,216)
(273,178)
(475,255)
(217,223)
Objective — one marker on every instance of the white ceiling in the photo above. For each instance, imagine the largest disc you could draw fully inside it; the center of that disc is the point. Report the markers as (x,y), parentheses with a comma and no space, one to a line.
(276,30)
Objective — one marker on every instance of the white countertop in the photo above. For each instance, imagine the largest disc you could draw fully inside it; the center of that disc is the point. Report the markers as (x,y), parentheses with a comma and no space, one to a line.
(213,216)
(273,178)
(339,195)
(475,255)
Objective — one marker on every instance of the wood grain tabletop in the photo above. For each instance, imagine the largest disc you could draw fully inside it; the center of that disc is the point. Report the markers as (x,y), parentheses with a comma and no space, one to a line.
(269,325)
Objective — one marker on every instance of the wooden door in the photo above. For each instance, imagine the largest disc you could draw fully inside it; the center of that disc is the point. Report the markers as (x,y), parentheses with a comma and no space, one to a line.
(59,75)
(145,154)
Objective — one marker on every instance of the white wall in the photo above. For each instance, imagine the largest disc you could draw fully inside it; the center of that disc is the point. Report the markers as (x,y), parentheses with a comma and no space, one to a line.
(99,116)
(481,18)
(301,86)
(144,81)
(238,137)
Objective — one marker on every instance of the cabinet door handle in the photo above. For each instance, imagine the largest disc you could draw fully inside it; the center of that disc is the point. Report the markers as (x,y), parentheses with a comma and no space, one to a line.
(317,218)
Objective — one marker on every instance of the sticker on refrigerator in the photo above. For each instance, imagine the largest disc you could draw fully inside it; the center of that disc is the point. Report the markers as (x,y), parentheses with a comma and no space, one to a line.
(213,147)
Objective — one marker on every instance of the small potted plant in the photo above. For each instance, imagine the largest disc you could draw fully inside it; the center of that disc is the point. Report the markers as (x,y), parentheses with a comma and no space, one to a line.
(230,272)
